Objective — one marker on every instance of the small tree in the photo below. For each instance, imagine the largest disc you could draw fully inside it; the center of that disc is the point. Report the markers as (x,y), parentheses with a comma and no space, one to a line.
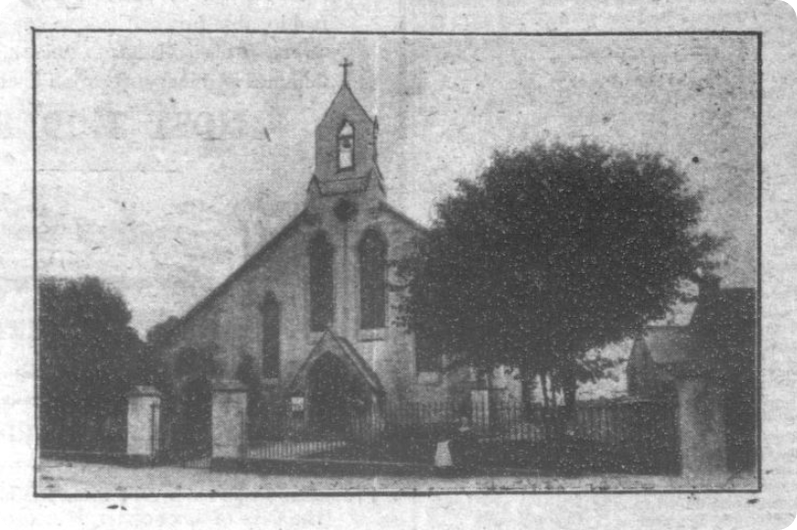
(553,251)
(89,356)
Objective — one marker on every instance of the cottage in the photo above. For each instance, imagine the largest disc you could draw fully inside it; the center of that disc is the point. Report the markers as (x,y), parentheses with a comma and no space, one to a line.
(709,366)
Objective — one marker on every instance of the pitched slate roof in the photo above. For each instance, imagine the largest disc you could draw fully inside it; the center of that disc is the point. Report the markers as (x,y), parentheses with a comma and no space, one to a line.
(719,337)
(668,344)
(223,287)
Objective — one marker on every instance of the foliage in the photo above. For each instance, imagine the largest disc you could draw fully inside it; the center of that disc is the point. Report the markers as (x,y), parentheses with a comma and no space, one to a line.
(553,251)
(157,334)
(89,355)
(193,362)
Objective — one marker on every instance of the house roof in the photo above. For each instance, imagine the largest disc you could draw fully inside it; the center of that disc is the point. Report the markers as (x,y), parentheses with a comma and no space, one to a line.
(721,333)
(668,344)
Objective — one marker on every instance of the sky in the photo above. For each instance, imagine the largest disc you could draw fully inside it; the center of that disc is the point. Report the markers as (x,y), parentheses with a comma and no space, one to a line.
(165,160)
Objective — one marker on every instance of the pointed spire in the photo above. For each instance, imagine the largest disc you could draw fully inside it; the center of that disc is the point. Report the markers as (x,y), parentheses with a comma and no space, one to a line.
(346,137)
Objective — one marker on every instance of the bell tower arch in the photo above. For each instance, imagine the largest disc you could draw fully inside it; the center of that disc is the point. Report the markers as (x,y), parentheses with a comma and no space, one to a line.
(345,146)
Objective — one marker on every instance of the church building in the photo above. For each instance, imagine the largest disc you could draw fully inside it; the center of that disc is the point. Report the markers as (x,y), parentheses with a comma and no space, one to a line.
(311,314)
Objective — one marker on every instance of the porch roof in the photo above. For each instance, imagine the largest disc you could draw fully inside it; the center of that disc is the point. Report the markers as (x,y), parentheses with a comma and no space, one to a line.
(343,350)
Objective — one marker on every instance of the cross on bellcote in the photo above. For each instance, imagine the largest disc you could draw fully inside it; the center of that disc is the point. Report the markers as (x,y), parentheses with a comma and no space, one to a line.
(345,65)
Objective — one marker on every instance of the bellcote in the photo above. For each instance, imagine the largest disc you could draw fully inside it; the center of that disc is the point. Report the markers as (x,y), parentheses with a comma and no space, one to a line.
(345,146)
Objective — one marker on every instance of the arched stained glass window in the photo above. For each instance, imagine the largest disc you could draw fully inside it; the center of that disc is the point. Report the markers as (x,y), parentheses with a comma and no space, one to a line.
(270,310)
(321,286)
(346,146)
(373,270)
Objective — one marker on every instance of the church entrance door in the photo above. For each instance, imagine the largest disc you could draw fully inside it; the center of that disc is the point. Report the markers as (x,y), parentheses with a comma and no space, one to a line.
(330,392)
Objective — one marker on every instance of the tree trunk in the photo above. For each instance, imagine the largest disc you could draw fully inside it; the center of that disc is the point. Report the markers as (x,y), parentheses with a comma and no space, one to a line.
(549,415)
(567,418)
(544,380)
(569,393)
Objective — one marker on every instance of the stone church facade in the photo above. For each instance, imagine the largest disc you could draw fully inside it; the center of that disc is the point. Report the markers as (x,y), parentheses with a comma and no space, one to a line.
(311,312)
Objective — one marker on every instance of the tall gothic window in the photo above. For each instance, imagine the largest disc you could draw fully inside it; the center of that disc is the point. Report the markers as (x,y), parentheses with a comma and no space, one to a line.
(270,310)
(321,292)
(373,268)
(346,146)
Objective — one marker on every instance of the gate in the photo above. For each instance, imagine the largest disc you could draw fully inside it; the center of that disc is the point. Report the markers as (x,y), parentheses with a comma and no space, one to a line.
(193,437)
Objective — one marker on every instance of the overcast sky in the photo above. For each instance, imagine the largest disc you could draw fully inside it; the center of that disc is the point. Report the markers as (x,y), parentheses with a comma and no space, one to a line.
(166,159)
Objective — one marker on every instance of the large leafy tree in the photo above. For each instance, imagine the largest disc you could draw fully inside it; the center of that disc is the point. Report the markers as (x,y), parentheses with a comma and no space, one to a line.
(89,356)
(553,251)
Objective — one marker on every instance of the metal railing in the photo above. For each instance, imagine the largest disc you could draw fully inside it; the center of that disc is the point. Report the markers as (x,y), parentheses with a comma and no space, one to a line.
(636,431)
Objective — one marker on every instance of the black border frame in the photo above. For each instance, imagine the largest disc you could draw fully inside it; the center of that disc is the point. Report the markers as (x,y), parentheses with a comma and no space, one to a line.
(759,233)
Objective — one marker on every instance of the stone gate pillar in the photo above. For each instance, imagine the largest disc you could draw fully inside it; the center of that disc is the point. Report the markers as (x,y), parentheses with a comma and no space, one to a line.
(143,423)
(702,429)
(229,420)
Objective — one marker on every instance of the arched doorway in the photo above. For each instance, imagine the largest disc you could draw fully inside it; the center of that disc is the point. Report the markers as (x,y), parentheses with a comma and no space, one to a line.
(334,395)
(194,436)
